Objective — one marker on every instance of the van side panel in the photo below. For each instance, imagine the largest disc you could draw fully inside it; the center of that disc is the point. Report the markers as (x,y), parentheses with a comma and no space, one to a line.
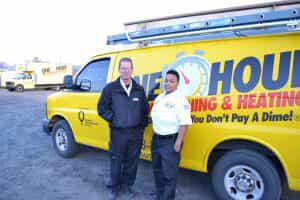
(244,88)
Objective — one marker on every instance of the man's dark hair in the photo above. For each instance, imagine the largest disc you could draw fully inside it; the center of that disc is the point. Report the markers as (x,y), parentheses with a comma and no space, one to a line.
(125,59)
(175,73)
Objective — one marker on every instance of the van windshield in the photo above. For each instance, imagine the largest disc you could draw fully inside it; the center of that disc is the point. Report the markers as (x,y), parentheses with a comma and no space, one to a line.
(20,76)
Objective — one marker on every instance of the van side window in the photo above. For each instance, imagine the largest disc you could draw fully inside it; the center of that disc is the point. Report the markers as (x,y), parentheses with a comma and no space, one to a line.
(95,71)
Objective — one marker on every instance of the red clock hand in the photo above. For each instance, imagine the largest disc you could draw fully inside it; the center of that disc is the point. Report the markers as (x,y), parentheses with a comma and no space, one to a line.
(186,79)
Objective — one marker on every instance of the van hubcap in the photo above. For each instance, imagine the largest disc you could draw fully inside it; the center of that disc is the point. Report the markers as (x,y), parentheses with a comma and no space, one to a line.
(61,139)
(243,182)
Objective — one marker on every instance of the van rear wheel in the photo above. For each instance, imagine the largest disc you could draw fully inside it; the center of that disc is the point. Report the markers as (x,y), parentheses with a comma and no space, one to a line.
(63,140)
(245,174)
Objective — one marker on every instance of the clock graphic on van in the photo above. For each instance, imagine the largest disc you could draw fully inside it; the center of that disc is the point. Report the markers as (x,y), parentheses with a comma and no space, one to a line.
(194,73)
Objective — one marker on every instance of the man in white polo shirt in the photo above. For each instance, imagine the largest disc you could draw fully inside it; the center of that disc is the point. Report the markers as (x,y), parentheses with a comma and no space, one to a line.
(171,115)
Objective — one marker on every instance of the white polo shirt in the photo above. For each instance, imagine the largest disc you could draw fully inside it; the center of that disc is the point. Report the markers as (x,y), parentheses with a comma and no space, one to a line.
(169,112)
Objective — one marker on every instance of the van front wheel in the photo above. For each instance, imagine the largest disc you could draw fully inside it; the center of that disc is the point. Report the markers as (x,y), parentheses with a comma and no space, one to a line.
(245,174)
(63,139)
(19,88)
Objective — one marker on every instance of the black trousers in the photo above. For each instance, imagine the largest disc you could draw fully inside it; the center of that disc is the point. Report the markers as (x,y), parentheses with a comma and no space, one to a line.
(125,148)
(165,162)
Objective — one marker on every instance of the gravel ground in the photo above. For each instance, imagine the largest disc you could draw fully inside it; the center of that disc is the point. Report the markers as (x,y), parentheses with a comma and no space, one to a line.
(30,169)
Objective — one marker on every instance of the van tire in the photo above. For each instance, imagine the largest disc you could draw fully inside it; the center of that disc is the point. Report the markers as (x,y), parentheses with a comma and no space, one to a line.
(57,88)
(19,88)
(63,140)
(262,178)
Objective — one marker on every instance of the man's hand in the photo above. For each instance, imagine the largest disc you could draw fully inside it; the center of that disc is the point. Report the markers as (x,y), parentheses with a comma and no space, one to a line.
(177,145)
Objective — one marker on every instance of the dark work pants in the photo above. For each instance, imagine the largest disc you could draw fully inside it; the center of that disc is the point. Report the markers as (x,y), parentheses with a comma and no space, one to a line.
(165,162)
(125,148)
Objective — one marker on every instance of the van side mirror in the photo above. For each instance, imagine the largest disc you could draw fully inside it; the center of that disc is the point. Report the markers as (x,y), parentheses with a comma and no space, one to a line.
(68,81)
(85,84)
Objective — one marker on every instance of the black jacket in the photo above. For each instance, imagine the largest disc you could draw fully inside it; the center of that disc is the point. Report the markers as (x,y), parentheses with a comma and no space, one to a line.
(121,110)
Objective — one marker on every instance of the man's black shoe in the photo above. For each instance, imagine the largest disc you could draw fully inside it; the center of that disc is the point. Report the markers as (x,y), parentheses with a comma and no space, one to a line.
(107,181)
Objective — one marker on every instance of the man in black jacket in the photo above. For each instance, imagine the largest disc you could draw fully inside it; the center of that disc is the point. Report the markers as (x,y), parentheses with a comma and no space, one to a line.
(124,106)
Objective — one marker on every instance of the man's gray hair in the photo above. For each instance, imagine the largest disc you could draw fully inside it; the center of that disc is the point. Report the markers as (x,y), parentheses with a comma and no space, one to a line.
(126,59)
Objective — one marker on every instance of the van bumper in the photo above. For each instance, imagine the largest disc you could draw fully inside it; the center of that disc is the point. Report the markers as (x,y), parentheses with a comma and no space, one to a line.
(46,123)
(10,85)
(10,88)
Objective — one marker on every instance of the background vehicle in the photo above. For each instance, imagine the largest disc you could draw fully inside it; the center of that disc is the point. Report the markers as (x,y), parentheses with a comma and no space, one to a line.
(44,76)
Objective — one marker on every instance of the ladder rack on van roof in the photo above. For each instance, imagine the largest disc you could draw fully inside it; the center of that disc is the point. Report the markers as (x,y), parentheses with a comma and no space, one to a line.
(268,18)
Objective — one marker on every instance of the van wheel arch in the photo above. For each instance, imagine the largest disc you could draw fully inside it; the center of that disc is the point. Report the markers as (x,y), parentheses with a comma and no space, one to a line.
(63,138)
(55,119)
(231,145)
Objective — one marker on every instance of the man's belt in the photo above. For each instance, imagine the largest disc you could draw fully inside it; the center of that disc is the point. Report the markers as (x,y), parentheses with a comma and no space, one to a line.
(163,137)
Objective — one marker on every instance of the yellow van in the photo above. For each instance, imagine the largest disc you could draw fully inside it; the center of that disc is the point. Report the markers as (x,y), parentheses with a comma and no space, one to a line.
(244,94)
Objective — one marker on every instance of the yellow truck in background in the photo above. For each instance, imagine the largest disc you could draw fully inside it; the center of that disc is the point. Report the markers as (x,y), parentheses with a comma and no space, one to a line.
(240,70)
(39,76)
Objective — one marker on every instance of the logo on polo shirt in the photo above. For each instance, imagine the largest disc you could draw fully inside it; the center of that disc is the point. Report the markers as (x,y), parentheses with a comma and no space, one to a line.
(169,105)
